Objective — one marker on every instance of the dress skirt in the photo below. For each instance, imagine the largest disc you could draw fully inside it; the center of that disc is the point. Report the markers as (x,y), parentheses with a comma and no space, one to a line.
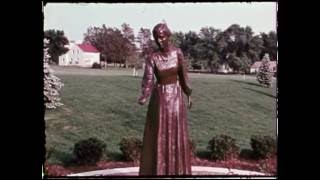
(166,143)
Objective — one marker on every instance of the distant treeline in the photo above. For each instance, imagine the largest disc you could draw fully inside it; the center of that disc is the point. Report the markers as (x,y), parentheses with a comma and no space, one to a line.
(207,49)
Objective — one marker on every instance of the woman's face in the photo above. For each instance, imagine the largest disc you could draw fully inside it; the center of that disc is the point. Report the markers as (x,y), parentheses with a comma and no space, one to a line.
(163,40)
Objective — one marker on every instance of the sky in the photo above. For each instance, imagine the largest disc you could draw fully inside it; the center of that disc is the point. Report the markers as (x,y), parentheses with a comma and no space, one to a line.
(75,18)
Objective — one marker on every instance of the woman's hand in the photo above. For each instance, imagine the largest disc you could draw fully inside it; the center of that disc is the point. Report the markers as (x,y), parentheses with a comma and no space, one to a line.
(142,100)
(189,102)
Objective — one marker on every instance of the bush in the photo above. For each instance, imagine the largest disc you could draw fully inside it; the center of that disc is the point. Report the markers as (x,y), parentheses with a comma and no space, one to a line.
(96,66)
(89,151)
(223,147)
(131,148)
(264,75)
(268,165)
(52,85)
(263,146)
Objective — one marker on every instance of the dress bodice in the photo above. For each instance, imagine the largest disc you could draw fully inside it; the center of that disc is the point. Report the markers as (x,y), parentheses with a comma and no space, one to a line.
(166,67)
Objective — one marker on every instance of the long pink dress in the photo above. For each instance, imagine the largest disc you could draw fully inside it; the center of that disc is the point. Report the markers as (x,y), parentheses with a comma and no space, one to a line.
(166,140)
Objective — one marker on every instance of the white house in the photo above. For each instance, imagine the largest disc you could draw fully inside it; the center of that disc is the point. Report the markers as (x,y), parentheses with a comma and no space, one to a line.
(255,67)
(224,68)
(83,55)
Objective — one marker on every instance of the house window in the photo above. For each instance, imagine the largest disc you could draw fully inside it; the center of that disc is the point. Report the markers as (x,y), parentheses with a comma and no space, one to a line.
(77,62)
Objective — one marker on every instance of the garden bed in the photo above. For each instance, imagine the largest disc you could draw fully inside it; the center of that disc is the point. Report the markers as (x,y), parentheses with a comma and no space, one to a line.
(267,166)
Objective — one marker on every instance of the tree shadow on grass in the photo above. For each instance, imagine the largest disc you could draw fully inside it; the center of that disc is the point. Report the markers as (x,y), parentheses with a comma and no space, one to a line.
(246,154)
(261,92)
(203,154)
(115,156)
(245,82)
(66,158)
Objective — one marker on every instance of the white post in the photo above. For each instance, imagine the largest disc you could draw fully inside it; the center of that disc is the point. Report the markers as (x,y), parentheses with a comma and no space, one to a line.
(134,71)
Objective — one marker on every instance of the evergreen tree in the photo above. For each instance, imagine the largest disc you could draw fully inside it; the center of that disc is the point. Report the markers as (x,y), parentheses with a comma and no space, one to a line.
(56,45)
(264,75)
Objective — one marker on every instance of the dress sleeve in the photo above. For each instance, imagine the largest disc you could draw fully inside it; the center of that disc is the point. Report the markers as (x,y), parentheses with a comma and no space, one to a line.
(183,74)
(148,79)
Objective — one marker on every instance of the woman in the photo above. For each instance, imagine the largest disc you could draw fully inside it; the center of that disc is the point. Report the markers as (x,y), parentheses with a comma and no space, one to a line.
(165,142)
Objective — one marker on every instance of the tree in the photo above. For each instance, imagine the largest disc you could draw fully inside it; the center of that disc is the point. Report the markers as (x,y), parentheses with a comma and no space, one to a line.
(128,32)
(234,62)
(208,48)
(177,38)
(192,49)
(255,47)
(264,75)
(270,44)
(57,44)
(52,84)
(192,39)
(214,61)
(245,64)
(129,48)
(222,46)
(147,46)
(111,42)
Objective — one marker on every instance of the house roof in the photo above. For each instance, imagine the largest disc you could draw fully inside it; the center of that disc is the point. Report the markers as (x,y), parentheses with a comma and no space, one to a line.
(87,48)
(257,64)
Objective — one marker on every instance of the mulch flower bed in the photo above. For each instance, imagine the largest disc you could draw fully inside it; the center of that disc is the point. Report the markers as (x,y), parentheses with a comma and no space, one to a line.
(268,166)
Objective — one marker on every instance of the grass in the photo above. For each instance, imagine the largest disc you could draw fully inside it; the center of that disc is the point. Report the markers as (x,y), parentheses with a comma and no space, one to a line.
(106,107)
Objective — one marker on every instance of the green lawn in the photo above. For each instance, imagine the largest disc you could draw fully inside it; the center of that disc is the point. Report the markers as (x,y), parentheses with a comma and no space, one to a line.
(105,107)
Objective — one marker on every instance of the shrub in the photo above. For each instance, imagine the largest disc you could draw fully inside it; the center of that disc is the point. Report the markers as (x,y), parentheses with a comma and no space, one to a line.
(263,146)
(52,85)
(223,147)
(96,66)
(268,165)
(264,75)
(131,148)
(89,151)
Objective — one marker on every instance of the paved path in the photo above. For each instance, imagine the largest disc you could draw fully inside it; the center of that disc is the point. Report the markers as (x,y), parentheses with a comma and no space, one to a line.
(196,170)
